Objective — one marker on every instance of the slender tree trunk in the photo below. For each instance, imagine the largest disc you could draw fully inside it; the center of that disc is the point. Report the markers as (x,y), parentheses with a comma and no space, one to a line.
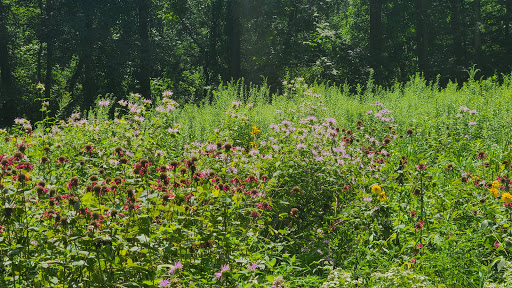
(49,48)
(6,76)
(288,53)
(87,57)
(211,54)
(456,7)
(421,40)
(477,31)
(145,57)
(375,36)
(233,25)
(8,95)
(40,36)
(508,27)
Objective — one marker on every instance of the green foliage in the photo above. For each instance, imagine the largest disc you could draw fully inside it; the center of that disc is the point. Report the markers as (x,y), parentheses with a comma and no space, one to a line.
(406,187)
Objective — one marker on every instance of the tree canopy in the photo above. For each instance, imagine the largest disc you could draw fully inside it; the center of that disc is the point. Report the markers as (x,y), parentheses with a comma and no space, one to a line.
(81,49)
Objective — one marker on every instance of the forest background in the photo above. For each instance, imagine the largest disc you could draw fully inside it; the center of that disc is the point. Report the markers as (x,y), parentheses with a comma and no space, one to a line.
(69,53)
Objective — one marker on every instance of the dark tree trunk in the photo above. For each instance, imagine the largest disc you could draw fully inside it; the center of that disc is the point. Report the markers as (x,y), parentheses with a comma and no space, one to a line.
(233,25)
(288,53)
(211,54)
(421,37)
(508,28)
(87,57)
(5,66)
(8,95)
(456,7)
(144,57)
(375,35)
(40,36)
(49,48)
(477,31)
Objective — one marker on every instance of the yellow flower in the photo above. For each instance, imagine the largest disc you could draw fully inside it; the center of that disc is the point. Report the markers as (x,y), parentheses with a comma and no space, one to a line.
(382,196)
(255,130)
(506,197)
(376,189)
(496,184)
(494,192)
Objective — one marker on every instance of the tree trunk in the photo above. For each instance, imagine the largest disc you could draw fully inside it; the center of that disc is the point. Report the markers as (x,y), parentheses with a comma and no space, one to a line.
(144,57)
(87,57)
(288,53)
(233,29)
(213,36)
(40,37)
(6,76)
(375,35)
(8,95)
(508,27)
(477,30)
(49,48)
(456,7)
(421,40)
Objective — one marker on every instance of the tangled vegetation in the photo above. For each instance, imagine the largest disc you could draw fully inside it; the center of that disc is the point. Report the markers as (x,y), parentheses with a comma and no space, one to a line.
(408,187)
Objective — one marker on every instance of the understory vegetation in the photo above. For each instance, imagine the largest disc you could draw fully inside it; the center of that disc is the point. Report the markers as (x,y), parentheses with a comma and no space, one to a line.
(317,187)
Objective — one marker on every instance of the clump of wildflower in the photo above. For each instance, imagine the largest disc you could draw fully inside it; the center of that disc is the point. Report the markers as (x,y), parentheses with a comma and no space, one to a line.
(104,103)
(62,160)
(507,198)
(494,192)
(376,189)
(278,282)
(223,269)
(88,148)
(419,225)
(255,130)
(177,266)
(481,155)
(165,283)
(296,190)
(252,267)
(421,166)
(382,196)
(73,182)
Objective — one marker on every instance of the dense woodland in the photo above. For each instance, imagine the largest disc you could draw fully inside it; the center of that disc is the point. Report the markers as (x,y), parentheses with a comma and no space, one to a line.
(80,50)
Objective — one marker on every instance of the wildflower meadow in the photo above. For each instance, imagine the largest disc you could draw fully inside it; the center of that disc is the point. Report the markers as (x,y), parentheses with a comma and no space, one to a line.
(319,186)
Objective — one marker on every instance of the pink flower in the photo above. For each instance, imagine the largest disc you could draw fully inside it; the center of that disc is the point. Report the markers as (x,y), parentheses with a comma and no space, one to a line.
(419,225)
(224,268)
(496,244)
(252,267)
(421,167)
(104,103)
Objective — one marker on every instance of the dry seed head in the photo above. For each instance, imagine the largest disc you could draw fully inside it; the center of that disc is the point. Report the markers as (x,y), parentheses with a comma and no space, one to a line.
(129,192)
